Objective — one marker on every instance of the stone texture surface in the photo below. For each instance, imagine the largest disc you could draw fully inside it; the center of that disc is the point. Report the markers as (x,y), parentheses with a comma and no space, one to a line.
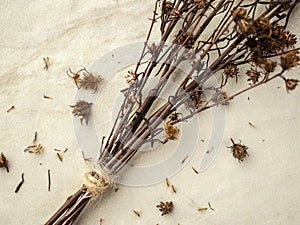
(262,190)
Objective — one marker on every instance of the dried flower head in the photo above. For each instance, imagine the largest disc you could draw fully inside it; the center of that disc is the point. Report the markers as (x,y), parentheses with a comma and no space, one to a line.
(244,25)
(3,161)
(231,70)
(82,109)
(291,84)
(289,39)
(239,151)
(289,59)
(253,75)
(130,77)
(171,131)
(270,65)
(165,207)
(90,81)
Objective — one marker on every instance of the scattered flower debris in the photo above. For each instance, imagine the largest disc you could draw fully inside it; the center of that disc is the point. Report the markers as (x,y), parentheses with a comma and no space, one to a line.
(196,171)
(49,180)
(34,147)
(10,109)
(137,213)
(3,161)
(47,63)
(209,205)
(20,184)
(252,125)
(47,97)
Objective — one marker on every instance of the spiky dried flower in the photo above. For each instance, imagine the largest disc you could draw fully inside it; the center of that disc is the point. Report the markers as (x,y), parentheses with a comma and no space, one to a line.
(289,39)
(289,59)
(253,75)
(171,131)
(130,76)
(90,81)
(165,207)
(231,70)
(3,161)
(290,84)
(239,151)
(82,109)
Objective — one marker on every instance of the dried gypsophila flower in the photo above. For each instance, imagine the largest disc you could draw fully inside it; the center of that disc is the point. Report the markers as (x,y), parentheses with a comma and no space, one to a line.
(3,161)
(289,59)
(253,75)
(90,81)
(290,84)
(165,207)
(82,109)
(239,151)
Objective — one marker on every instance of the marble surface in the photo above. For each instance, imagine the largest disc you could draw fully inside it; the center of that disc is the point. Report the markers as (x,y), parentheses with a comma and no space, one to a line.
(264,189)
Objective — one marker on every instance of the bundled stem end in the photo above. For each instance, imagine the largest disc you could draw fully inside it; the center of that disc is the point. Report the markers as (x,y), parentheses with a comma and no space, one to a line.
(95,183)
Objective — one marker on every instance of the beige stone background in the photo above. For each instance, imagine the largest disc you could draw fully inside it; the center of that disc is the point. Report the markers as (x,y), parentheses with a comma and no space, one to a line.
(73,33)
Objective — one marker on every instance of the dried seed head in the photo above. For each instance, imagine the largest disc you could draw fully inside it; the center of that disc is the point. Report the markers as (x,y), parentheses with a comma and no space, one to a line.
(289,59)
(291,84)
(90,81)
(165,207)
(239,151)
(253,75)
(270,65)
(3,161)
(82,109)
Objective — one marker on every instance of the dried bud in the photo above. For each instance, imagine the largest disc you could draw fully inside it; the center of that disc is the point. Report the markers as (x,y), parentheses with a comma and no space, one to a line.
(165,207)
(82,109)
(239,151)
(167,6)
(289,59)
(253,75)
(291,84)
(3,161)
(270,65)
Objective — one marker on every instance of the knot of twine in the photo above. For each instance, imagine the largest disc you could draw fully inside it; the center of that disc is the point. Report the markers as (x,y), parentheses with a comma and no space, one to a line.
(96,183)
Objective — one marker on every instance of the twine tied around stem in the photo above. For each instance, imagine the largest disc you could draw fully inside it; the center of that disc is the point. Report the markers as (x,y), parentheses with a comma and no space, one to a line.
(96,182)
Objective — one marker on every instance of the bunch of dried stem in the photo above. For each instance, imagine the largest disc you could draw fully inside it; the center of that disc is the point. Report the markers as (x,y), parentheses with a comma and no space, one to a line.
(249,34)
